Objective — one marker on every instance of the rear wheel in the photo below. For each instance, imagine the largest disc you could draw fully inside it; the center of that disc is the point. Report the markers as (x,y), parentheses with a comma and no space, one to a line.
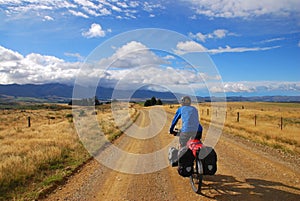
(196,177)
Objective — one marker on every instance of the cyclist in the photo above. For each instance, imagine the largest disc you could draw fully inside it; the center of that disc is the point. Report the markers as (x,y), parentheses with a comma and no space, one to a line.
(191,127)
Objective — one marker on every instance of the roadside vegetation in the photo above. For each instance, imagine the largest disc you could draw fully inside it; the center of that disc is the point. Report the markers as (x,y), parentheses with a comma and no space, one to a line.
(36,157)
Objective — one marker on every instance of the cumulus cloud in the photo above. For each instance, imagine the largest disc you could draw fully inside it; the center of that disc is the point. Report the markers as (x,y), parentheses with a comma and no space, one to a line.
(34,68)
(94,31)
(188,46)
(245,8)
(132,54)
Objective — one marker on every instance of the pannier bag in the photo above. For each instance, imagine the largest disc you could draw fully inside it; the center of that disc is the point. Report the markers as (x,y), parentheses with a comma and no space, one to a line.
(194,145)
(173,156)
(208,157)
(185,162)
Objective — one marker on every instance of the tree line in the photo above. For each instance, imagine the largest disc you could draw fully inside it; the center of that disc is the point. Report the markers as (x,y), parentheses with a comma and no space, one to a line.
(152,101)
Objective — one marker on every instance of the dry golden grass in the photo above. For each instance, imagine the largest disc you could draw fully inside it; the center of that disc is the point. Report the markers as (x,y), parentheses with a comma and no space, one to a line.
(268,122)
(34,158)
(28,152)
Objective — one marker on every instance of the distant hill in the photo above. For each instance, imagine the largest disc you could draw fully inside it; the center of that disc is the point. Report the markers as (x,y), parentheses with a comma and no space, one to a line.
(56,92)
(59,92)
(37,91)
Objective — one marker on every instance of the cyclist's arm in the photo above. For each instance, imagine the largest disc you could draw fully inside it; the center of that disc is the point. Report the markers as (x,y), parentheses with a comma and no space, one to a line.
(175,120)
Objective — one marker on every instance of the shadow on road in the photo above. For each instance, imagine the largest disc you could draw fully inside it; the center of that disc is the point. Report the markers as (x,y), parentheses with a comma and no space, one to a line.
(229,188)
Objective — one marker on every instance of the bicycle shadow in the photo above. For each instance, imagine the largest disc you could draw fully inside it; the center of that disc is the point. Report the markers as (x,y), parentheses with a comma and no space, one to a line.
(229,188)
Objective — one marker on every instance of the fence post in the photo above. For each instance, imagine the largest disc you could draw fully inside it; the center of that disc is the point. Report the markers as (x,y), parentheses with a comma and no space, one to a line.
(281,123)
(207,112)
(255,119)
(29,122)
(238,117)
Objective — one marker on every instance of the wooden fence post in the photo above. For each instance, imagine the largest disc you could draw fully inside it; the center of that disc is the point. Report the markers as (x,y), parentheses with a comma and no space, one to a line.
(238,117)
(255,119)
(281,123)
(29,122)
(207,112)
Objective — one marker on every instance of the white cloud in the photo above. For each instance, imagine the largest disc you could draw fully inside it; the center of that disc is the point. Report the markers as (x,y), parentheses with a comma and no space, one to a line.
(78,14)
(94,31)
(257,86)
(7,55)
(81,8)
(150,7)
(48,18)
(34,68)
(91,12)
(244,8)
(133,54)
(229,49)
(76,55)
(188,46)
(192,46)
(272,40)
(85,3)
(105,11)
(299,44)
(216,34)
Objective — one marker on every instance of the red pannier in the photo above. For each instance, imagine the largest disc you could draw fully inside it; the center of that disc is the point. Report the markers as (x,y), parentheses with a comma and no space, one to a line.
(194,145)
(206,154)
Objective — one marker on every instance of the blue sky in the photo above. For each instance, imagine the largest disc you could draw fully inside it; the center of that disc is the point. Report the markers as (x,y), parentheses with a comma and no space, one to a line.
(254,44)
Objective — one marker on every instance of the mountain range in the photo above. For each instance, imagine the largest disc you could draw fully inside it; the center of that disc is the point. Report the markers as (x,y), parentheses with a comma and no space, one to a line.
(56,92)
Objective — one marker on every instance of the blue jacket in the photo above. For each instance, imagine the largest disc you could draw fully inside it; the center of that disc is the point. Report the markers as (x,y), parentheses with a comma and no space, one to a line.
(190,119)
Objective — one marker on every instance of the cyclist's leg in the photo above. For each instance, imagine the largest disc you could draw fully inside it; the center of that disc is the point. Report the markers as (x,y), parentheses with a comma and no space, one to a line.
(184,138)
(198,135)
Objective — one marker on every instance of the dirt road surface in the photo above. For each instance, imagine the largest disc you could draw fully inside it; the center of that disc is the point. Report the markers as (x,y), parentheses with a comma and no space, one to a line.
(246,171)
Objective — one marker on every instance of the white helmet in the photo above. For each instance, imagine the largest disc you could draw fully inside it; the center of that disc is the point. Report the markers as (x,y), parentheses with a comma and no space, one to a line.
(186,100)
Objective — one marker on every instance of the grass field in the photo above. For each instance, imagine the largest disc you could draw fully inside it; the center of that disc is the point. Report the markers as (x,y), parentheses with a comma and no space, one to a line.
(36,158)
(272,124)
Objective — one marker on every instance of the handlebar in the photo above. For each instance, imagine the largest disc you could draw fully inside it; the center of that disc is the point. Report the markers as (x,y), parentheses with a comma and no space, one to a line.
(175,132)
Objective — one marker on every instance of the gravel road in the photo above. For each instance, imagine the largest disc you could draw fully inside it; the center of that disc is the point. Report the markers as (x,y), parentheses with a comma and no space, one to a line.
(246,171)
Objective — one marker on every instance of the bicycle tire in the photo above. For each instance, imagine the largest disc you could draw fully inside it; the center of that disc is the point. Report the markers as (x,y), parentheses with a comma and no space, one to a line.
(197,177)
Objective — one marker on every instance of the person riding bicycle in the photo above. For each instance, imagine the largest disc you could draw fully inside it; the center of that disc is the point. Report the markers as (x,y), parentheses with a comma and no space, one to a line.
(191,127)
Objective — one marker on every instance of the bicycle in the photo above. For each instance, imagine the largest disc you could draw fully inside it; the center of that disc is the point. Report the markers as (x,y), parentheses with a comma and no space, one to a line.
(197,175)
(204,163)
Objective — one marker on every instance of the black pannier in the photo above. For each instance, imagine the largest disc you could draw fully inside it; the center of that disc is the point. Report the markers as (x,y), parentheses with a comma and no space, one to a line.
(185,162)
(208,157)
(173,156)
